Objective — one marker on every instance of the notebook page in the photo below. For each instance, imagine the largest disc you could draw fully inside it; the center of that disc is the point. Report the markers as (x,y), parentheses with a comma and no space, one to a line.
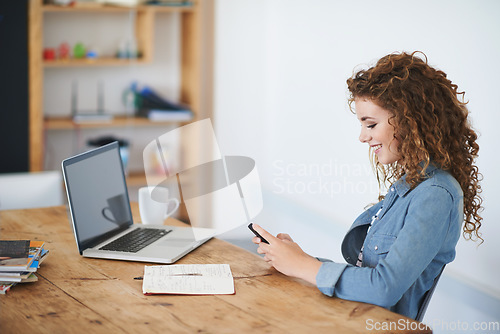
(192,279)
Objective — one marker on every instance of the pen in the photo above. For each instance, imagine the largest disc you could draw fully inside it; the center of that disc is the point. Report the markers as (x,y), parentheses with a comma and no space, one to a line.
(189,274)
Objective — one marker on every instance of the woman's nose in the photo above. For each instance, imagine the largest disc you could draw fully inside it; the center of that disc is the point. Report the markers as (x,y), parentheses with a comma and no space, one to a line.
(364,137)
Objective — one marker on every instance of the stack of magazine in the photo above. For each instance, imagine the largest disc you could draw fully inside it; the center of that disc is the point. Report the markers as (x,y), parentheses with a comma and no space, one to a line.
(19,260)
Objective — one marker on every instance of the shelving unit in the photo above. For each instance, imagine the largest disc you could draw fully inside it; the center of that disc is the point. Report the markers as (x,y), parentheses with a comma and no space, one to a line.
(196,45)
(191,71)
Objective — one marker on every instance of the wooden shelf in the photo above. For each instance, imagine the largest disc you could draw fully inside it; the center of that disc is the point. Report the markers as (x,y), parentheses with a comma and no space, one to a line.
(91,7)
(94,62)
(67,123)
(103,8)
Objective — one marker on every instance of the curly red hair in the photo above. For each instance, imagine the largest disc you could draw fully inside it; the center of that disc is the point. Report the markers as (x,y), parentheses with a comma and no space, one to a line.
(430,120)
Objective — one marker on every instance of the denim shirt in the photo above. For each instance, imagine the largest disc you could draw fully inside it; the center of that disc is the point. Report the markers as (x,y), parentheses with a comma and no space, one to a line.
(413,237)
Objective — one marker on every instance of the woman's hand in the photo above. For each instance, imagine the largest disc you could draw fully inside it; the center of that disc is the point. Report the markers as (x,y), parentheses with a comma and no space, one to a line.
(286,256)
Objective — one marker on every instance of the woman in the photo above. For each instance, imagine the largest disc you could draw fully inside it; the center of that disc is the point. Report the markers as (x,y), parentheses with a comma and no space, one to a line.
(422,145)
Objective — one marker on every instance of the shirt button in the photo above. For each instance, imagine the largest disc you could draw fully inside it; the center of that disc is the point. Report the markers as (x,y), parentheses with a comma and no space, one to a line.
(392,189)
(376,247)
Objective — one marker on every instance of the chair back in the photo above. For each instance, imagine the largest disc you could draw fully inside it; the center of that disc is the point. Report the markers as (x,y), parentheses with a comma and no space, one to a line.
(30,190)
(427,297)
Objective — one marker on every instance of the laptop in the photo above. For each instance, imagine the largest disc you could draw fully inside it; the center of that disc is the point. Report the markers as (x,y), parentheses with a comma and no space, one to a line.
(100,213)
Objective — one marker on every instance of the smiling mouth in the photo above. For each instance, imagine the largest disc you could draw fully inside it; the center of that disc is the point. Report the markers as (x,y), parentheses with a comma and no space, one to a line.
(377,148)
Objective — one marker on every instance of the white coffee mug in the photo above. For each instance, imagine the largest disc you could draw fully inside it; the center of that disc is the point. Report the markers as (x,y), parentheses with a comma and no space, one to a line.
(155,209)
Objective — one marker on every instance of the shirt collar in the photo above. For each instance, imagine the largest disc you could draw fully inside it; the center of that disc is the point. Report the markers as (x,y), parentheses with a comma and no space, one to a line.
(402,187)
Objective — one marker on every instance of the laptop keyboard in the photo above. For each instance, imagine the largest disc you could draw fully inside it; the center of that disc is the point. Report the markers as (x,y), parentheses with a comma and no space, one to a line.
(136,240)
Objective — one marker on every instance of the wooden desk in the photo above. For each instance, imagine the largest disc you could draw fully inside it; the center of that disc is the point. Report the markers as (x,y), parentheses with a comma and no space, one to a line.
(83,295)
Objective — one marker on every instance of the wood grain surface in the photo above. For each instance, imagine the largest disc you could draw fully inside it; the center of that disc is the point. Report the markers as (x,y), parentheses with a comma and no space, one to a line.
(82,295)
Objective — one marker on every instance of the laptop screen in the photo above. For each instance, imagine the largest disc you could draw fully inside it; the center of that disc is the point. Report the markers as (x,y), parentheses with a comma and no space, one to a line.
(97,195)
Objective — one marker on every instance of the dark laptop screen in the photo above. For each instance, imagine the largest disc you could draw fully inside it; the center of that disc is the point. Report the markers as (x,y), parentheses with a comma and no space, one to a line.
(97,195)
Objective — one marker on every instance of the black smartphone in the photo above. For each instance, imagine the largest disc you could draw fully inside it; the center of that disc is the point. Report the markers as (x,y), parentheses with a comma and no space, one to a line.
(250,226)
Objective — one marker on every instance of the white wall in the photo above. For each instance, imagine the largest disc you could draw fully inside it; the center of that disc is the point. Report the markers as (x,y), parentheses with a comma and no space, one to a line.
(280,97)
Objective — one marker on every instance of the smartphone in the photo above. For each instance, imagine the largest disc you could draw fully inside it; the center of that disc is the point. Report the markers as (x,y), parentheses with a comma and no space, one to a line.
(250,226)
